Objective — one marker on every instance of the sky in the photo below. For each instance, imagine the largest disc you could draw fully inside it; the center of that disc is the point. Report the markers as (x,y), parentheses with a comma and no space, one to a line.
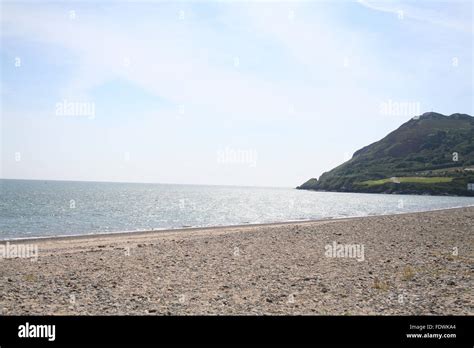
(220,92)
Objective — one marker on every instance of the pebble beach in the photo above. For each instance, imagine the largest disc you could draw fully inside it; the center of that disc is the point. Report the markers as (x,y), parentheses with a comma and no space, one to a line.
(406,264)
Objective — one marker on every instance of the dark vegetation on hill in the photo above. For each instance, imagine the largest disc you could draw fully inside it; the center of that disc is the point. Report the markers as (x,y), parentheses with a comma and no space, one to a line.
(429,154)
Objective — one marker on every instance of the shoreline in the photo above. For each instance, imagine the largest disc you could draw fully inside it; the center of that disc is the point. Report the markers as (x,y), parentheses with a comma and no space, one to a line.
(397,193)
(198,228)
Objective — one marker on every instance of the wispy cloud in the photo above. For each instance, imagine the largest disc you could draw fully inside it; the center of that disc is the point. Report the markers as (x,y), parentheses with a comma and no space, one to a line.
(419,11)
(169,60)
(292,80)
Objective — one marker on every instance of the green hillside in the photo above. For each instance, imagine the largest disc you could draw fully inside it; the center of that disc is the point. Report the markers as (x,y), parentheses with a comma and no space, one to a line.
(429,154)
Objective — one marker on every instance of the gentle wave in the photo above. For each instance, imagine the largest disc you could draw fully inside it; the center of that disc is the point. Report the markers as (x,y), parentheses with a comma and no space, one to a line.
(31,209)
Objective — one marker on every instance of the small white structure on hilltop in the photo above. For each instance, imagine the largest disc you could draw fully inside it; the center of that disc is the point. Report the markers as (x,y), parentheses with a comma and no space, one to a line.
(470,187)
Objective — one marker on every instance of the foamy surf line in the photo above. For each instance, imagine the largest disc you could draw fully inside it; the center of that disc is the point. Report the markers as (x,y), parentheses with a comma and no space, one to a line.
(92,235)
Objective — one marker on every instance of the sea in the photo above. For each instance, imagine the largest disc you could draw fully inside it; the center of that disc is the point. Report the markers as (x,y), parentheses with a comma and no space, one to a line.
(34,208)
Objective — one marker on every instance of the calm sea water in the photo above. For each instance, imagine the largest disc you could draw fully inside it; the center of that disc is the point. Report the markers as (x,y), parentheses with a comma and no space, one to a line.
(46,208)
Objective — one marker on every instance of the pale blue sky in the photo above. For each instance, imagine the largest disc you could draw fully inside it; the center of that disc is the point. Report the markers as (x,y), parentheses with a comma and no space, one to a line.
(291,88)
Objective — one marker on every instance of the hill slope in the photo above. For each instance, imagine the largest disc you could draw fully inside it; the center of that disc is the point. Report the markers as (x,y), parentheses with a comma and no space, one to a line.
(429,154)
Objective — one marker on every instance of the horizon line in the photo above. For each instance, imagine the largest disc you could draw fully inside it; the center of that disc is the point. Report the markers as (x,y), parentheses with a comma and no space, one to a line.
(140,182)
